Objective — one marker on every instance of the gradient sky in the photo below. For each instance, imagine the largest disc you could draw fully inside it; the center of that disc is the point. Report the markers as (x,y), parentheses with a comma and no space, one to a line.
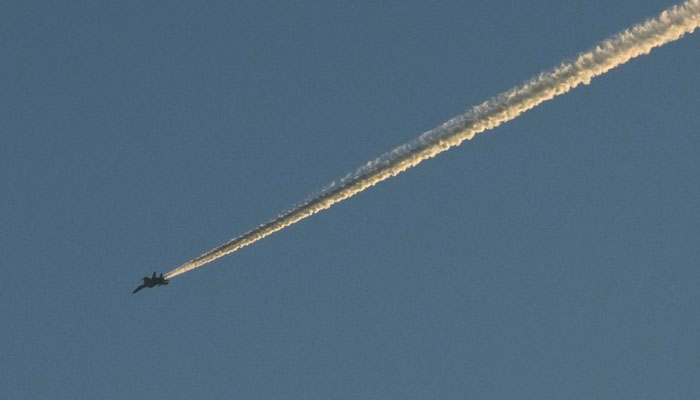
(554,257)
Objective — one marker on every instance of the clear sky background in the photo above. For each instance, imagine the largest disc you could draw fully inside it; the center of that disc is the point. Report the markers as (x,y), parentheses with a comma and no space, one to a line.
(554,257)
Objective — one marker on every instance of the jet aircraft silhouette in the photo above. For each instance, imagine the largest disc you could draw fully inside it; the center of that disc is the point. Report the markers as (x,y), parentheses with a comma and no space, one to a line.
(151,282)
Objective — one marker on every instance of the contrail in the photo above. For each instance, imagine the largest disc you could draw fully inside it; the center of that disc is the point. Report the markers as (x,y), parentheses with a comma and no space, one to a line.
(640,39)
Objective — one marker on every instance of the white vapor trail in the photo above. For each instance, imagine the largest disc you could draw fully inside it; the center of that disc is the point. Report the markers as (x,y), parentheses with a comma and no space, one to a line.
(640,39)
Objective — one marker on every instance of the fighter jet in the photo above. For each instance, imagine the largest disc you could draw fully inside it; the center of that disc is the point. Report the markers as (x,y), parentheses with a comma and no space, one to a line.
(152,282)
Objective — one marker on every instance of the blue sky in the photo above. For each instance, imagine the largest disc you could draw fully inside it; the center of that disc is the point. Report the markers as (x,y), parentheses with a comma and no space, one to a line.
(554,257)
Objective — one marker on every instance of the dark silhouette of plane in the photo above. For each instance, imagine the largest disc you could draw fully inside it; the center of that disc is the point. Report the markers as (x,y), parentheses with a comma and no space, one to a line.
(152,282)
